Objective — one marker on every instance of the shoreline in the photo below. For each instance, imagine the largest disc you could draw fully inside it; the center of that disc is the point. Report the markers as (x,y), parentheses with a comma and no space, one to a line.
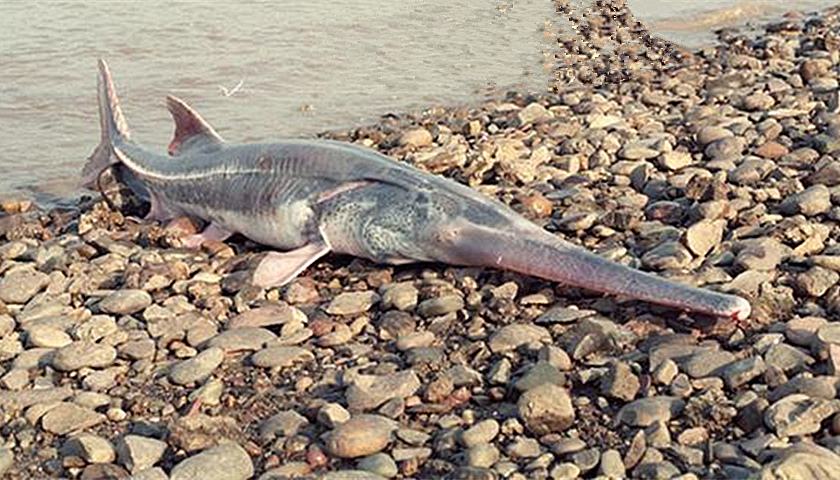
(716,167)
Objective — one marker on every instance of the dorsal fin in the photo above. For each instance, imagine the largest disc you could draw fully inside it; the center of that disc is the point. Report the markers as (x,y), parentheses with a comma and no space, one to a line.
(191,131)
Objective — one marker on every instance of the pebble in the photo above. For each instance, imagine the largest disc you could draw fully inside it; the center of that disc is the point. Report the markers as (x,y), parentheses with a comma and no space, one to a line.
(281,357)
(647,411)
(546,409)
(380,464)
(352,303)
(20,285)
(510,337)
(370,391)
(811,201)
(482,455)
(242,339)
(67,417)
(435,307)
(741,372)
(197,368)
(227,461)
(417,137)
(138,453)
(482,432)
(125,302)
(816,281)
(620,382)
(83,354)
(91,448)
(704,235)
(360,436)
(402,296)
(799,414)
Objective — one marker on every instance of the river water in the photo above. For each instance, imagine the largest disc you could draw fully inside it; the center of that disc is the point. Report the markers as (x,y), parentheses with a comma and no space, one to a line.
(262,70)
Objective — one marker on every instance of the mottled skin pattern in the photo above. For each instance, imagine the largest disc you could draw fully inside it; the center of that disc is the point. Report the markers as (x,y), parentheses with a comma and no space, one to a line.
(309,197)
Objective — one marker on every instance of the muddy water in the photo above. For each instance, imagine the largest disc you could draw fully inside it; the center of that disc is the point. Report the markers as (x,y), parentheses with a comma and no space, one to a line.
(262,70)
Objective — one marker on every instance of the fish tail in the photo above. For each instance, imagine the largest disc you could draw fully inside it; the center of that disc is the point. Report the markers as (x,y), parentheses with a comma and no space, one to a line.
(113,128)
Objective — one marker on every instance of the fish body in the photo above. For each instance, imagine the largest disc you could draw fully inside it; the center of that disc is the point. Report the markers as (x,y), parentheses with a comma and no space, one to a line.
(306,198)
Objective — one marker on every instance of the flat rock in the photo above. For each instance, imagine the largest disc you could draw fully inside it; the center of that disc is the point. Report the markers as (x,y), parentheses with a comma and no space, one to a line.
(799,414)
(647,411)
(811,201)
(704,235)
(510,337)
(435,307)
(741,372)
(227,461)
(267,315)
(352,303)
(125,302)
(360,436)
(197,368)
(44,336)
(802,460)
(281,356)
(370,391)
(20,285)
(242,339)
(546,409)
(91,448)
(761,254)
(138,453)
(68,417)
(706,362)
(83,354)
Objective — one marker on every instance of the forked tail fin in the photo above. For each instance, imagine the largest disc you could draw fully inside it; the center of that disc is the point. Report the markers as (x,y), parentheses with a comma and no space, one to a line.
(112,124)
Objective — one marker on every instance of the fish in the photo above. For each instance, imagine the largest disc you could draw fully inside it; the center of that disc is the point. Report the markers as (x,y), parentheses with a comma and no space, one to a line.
(305,198)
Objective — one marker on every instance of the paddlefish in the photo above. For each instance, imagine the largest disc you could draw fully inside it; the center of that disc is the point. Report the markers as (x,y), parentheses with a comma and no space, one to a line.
(305,198)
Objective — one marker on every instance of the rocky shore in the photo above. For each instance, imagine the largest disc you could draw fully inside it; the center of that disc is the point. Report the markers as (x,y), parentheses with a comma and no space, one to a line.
(123,354)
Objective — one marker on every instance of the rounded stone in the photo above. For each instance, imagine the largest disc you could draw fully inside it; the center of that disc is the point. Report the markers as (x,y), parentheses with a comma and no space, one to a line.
(197,368)
(125,302)
(360,436)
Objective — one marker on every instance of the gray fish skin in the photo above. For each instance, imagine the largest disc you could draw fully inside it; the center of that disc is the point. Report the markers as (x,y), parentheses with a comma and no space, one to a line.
(310,197)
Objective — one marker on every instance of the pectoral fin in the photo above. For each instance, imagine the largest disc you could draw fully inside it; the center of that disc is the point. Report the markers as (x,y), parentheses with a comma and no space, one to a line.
(214,231)
(279,268)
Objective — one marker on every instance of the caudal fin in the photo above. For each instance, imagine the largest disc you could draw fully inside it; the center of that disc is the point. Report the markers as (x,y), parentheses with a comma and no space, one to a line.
(112,124)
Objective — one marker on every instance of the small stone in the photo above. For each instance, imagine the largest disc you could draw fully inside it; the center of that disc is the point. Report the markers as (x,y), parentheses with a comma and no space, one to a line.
(546,409)
(524,447)
(268,315)
(612,465)
(20,285)
(281,357)
(414,138)
(44,336)
(666,256)
(620,382)
(352,303)
(360,436)
(138,453)
(587,459)
(709,134)
(197,368)
(693,436)
(483,455)
(704,235)
(540,373)
(435,307)
(510,337)
(242,339)
(333,415)
(125,302)
(761,254)
(811,201)
(787,358)
(286,423)
(802,331)
(816,281)
(725,148)
(565,471)
(380,464)
(772,150)
(533,113)
(370,391)
(665,372)
(802,460)
(675,160)
(227,461)
(798,414)
(646,411)
(743,371)
(482,432)
(402,296)
(91,448)
(69,417)
(706,362)
(83,354)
